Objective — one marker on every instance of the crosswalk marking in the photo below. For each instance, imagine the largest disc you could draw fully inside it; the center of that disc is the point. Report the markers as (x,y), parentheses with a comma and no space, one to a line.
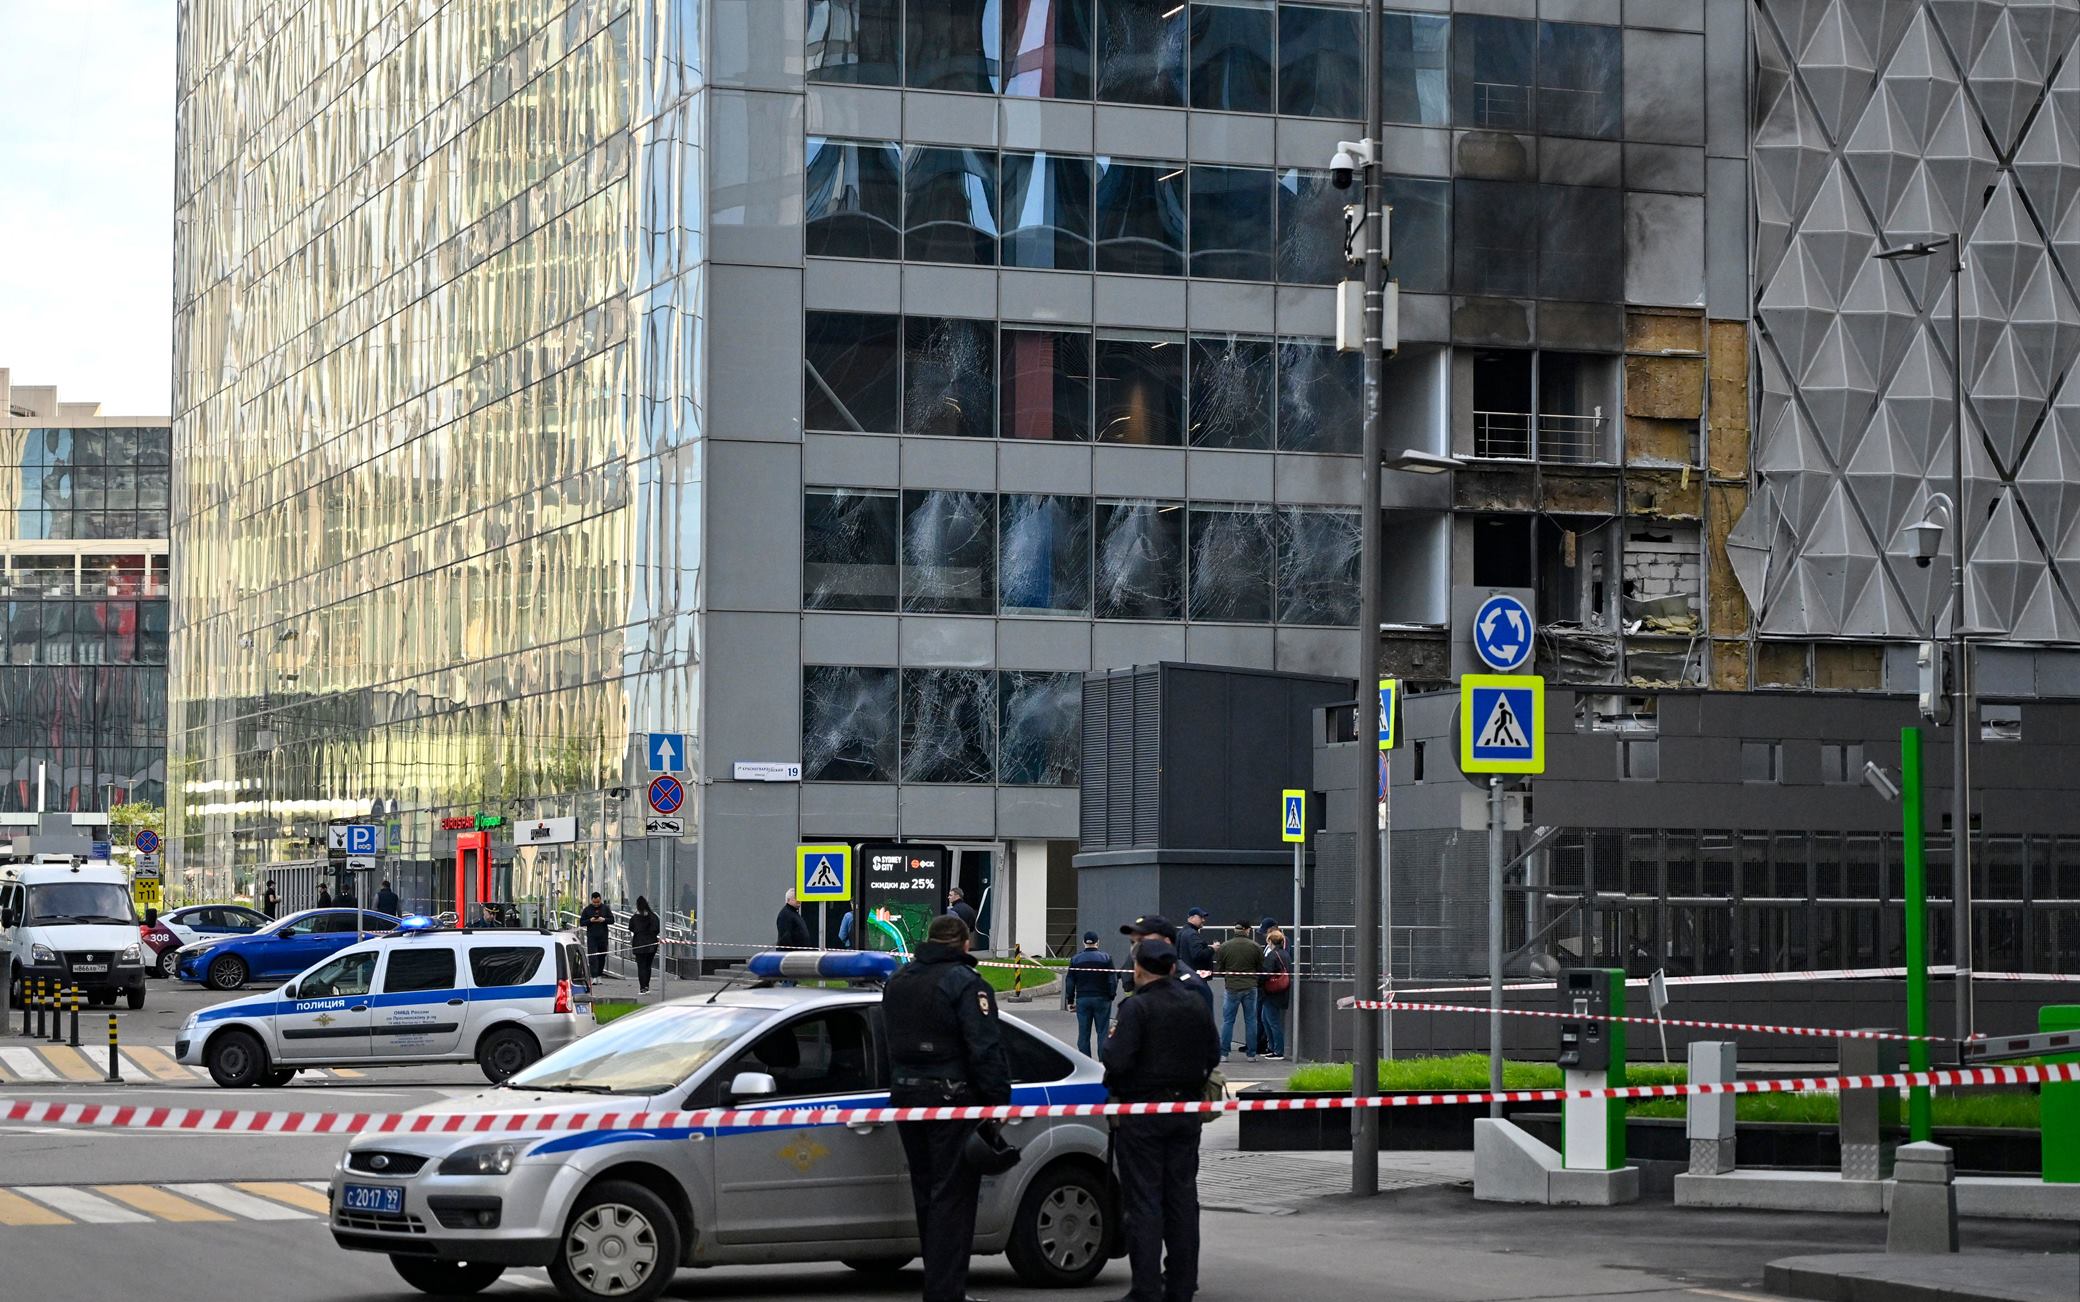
(17,1210)
(159,1203)
(24,1065)
(82,1205)
(72,1064)
(226,1199)
(286,1191)
(158,1063)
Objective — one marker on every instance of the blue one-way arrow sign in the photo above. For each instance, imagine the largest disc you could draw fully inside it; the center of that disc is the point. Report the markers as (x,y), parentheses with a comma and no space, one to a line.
(667,752)
(1502,632)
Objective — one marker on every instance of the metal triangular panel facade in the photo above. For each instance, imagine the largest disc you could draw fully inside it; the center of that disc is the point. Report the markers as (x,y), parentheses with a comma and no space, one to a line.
(1881,122)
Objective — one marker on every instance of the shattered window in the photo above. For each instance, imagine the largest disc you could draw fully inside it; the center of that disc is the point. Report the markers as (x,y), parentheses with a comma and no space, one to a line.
(1041,728)
(1141,51)
(949,725)
(1231,391)
(1044,554)
(949,552)
(848,724)
(848,549)
(949,376)
(1310,229)
(1317,566)
(1140,560)
(1231,563)
(1320,397)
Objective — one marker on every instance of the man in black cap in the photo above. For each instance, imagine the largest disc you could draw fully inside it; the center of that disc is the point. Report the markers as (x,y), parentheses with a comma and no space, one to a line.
(945,1050)
(1190,941)
(1150,924)
(1088,987)
(1163,1050)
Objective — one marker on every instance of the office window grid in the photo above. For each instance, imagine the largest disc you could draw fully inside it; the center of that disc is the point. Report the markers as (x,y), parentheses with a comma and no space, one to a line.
(1232,56)
(954,552)
(863,723)
(963,377)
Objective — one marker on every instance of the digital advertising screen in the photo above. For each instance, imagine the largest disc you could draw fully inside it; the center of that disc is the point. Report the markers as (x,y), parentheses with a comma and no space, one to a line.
(902,888)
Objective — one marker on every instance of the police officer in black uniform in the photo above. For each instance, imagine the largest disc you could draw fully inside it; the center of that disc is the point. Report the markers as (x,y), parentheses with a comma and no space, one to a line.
(945,1050)
(1163,1050)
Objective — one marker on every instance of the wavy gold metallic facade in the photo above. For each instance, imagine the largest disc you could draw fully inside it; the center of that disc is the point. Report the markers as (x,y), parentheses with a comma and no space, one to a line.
(438,322)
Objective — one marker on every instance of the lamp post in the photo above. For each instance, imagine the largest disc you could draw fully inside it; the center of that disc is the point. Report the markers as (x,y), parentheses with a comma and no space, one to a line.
(1961,716)
(1352,159)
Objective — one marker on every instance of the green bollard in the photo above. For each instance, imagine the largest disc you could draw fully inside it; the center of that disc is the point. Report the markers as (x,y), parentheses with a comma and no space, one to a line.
(2058,1103)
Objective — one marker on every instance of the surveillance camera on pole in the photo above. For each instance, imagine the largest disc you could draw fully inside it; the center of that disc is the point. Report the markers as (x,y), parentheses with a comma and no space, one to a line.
(1349,157)
(1924,537)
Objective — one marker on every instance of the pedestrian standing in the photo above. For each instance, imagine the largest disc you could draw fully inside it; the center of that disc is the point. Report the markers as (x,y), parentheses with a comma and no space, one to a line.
(1275,993)
(790,927)
(1163,1050)
(1193,949)
(1150,924)
(845,930)
(957,904)
(597,918)
(324,896)
(387,901)
(1088,987)
(643,928)
(1239,962)
(271,902)
(945,1049)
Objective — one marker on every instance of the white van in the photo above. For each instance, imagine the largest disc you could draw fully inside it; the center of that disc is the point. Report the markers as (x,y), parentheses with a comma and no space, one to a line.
(72,924)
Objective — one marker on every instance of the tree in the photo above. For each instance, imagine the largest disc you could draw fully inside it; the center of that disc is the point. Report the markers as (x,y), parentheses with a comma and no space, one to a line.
(125,821)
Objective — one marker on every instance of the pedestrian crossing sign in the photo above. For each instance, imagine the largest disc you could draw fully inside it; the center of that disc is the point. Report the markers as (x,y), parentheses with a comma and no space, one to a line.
(1293,813)
(1502,723)
(822,873)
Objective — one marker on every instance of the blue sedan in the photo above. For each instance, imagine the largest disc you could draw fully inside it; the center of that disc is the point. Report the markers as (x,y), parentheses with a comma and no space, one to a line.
(281,949)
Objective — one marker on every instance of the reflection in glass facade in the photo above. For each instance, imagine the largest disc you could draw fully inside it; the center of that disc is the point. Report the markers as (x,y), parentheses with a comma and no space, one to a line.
(83,612)
(438,331)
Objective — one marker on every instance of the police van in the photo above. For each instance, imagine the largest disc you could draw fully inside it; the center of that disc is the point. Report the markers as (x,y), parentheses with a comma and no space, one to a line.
(424,993)
(69,923)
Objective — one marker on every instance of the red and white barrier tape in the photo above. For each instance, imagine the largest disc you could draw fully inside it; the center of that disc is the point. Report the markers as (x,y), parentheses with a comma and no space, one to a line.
(545,1122)
(1398,1005)
(1753,978)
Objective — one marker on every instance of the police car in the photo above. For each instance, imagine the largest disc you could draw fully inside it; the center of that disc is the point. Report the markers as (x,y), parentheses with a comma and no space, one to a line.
(614,1213)
(424,993)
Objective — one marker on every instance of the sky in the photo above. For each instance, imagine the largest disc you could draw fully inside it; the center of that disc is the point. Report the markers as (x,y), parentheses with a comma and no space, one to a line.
(86,199)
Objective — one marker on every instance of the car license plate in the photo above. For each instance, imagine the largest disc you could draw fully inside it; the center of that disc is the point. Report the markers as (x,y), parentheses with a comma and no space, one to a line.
(372,1198)
(90,967)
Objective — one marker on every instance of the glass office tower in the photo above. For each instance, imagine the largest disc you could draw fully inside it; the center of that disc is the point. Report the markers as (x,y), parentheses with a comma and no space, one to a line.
(83,507)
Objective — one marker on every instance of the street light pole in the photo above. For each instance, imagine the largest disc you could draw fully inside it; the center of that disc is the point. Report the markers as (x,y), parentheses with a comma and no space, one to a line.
(1365,752)
(1961,721)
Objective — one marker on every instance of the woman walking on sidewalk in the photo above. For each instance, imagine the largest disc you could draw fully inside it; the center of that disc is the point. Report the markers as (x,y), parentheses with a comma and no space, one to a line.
(643,927)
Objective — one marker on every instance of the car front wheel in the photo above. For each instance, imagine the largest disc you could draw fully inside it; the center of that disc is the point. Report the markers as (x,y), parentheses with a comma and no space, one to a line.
(236,1060)
(1064,1226)
(447,1278)
(170,964)
(622,1242)
(227,973)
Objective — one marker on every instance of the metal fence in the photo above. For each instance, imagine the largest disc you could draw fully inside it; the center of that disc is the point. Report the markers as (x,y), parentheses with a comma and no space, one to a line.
(1547,437)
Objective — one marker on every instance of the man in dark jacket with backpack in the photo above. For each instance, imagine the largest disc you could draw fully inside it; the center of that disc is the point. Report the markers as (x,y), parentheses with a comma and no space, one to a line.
(1088,987)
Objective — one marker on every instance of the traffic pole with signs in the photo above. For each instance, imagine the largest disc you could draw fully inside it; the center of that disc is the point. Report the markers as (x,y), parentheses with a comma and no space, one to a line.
(822,874)
(666,755)
(1292,813)
(1502,731)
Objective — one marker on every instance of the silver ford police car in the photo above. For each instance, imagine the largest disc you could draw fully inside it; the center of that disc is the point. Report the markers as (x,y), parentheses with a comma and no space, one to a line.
(614,1213)
(424,993)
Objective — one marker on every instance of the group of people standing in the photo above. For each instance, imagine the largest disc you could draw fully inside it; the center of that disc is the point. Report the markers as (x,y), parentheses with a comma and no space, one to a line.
(1253,965)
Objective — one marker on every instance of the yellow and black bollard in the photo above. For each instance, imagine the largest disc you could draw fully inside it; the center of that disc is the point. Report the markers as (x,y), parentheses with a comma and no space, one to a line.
(115,1071)
(28,1003)
(39,1008)
(59,994)
(79,997)
(1018,974)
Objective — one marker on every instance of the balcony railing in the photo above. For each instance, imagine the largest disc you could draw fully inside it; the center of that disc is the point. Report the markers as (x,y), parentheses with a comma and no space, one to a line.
(1553,439)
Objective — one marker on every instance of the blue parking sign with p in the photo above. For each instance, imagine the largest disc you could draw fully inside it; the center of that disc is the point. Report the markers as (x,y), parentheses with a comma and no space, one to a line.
(361,838)
(1293,810)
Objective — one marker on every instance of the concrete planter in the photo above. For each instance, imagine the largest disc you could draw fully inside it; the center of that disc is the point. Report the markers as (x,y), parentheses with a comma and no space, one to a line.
(1807,1146)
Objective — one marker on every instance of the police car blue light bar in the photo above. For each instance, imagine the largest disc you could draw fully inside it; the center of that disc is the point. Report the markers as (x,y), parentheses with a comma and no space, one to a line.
(835,965)
(417,922)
